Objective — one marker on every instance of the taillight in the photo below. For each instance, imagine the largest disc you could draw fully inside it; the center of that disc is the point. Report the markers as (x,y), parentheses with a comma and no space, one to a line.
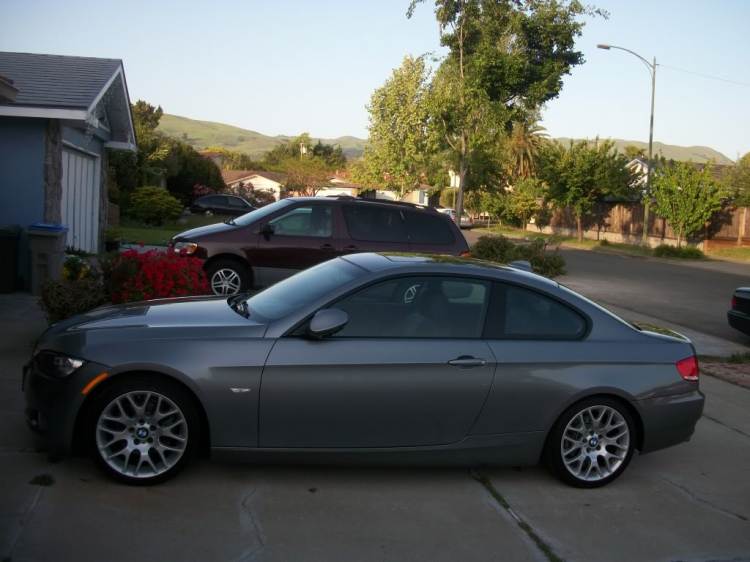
(465,255)
(688,368)
(734,302)
(471,220)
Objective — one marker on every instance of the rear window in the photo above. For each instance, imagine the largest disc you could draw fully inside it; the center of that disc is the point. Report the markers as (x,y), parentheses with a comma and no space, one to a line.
(375,224)
(426,228)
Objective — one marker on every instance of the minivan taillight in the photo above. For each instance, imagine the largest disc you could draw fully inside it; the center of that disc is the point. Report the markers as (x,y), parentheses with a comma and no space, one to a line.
(734,302)
(688,368)
(465,255)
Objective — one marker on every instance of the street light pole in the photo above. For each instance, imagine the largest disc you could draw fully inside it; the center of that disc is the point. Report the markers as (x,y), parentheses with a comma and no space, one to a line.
(652,70)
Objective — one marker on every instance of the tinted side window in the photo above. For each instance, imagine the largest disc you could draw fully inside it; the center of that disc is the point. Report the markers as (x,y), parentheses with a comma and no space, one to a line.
(220,200)
(237,202)
(377,224)
(314,220)
(425,228)
(417,307)
(518,313)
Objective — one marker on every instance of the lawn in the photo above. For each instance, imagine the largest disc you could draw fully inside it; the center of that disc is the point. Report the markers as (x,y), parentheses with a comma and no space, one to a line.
(569,241)
(733,253)
(134,232)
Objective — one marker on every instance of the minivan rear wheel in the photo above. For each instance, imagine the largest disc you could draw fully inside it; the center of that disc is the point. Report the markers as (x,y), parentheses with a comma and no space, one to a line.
(227,277)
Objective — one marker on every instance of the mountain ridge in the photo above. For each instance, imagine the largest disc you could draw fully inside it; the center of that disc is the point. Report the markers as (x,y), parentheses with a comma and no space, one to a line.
(202,134)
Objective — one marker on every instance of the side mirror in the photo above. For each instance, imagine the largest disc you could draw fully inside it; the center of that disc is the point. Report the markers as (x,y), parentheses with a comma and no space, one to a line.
(327,322)
(267,230)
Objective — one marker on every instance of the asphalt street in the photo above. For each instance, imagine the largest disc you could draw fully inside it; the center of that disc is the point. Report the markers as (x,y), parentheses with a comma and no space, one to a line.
(694,295)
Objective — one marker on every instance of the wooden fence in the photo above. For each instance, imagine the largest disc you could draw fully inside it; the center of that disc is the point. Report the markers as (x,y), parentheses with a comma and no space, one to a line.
(623,222)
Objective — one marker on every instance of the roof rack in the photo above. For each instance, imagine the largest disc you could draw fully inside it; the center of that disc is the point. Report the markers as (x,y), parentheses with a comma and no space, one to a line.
(386,202)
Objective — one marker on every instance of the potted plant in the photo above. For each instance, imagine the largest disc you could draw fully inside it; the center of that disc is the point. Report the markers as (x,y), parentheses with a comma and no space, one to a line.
(111,239)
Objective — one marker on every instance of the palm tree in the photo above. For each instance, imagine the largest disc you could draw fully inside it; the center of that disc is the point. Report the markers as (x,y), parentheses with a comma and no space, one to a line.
(525,141)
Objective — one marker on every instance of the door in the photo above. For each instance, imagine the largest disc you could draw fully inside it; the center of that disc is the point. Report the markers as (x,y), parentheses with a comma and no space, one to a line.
(294,240)
(405,371)
(80,199)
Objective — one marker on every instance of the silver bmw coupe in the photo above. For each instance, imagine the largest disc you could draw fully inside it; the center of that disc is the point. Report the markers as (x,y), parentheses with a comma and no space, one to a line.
(368,359)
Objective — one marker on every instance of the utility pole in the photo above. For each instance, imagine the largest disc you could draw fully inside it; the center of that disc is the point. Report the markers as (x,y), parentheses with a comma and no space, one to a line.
(652,70)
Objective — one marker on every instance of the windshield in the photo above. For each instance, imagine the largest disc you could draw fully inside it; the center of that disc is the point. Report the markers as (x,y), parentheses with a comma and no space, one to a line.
(258,214)
(301,289)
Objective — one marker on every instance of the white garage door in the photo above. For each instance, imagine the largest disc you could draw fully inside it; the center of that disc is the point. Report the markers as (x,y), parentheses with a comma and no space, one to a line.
(80,199)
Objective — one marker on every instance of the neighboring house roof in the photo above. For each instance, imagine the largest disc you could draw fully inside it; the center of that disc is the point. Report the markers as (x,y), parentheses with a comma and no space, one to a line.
(71,88)
(718,171)
(232,176)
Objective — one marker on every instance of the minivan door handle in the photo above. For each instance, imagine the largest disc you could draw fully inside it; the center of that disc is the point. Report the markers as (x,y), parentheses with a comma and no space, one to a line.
(327,247)
(351,248)
(467,362)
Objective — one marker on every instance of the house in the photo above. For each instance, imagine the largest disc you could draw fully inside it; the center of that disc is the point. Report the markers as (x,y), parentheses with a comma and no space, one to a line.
(264,181)
(718,171)
(215,157)
(59,117)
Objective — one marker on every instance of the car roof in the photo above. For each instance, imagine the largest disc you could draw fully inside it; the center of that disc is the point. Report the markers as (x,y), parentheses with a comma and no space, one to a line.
(378,261)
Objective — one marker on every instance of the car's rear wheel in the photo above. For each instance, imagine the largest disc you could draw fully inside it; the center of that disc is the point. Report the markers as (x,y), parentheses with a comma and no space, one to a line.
(208,213)
(142,430)
(227,277)
(592,443)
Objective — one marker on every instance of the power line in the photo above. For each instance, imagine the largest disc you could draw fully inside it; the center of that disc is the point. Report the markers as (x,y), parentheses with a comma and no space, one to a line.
(705,75)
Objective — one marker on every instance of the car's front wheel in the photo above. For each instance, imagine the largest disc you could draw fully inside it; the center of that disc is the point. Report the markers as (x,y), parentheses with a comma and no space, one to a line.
(143,430)
(592,443)
(227,277)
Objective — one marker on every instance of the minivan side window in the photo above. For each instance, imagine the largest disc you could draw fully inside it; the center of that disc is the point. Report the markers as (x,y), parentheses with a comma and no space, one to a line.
(427,228)
(519,313)
(375,224)
(313,220)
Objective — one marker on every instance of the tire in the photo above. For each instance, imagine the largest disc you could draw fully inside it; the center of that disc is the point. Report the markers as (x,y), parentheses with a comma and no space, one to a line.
(143,430)
(597,456)
(228,277)
(208,213)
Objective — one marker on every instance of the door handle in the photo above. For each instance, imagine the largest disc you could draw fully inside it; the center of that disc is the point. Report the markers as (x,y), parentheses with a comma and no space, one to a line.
(351,249)
(467,362)
(327,247)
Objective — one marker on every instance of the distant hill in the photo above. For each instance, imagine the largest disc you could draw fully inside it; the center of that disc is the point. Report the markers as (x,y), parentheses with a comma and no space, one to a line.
(698,154)
(202,134)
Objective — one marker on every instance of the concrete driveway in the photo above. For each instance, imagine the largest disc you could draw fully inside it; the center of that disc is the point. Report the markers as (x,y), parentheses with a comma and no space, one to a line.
(688,503)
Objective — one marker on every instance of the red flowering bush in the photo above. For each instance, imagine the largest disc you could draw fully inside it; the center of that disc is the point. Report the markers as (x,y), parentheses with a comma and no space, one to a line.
(201,190)
(132,276)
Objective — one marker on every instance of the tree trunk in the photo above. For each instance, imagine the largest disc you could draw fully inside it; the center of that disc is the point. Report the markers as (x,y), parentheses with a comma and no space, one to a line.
(741,230)
(679,237)
(580,229)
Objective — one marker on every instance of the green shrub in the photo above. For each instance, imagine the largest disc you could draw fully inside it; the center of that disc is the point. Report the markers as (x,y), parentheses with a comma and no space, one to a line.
(154,205)
(501,250)
(683,252)
(604,242)
(73,251)
(63,298)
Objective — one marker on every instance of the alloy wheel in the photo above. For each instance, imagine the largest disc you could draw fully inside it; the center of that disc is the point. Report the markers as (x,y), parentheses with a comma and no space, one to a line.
(225,282)
(595,443)
(141,434)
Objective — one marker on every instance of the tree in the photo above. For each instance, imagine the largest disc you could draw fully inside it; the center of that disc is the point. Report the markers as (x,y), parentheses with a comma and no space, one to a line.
(504,56)
(585,174)
(188,168)
(524,200)
(632,152)
(233,160)
(686,197)
(524,144)
(738,181)
(396,154)
(306,175)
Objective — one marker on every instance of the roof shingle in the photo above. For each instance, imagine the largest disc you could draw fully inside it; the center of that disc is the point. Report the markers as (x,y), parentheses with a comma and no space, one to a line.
(55,80)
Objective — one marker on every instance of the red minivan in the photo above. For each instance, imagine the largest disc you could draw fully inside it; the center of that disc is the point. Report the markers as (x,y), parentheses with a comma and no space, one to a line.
(273,242)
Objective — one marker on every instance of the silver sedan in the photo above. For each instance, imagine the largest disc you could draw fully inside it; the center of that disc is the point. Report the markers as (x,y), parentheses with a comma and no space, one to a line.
(368,358)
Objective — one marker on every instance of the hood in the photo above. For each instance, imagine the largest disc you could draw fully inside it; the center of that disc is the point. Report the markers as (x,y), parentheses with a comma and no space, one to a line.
(206,230)
(186,312)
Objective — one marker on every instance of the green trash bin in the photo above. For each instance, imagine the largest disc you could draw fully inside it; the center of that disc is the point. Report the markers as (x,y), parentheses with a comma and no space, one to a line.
(9,237)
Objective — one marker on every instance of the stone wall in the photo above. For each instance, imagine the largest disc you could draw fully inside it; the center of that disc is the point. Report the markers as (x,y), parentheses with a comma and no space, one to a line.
(53,172)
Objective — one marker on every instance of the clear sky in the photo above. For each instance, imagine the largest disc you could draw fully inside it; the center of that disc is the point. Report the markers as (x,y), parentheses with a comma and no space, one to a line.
(287,66)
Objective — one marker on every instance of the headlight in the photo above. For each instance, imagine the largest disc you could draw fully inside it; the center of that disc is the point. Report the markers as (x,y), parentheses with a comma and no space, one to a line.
(57,365)
(189,247)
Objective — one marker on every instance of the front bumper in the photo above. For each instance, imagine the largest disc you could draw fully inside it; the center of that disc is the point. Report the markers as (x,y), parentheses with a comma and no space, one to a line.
(739,321)
(669,420)
(52,404)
